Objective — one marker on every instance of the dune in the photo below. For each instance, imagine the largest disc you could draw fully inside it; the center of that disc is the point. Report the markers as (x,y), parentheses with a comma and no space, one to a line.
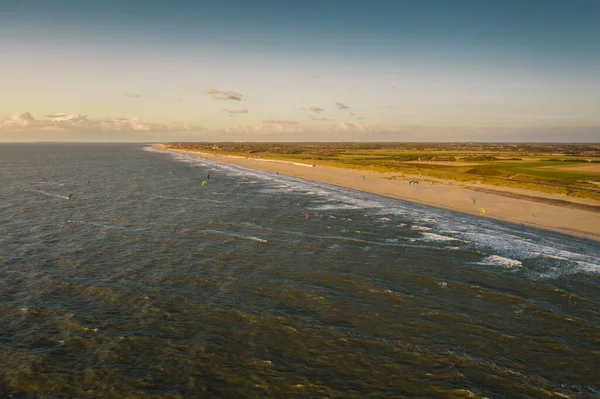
(566,215)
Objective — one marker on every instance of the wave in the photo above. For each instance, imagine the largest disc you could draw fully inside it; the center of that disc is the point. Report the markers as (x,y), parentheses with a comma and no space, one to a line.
(332,207)
(502,261)
(439,237)
(49,194)
(227,234)
(48,183)
(421,228)
(182,198)
(588,267)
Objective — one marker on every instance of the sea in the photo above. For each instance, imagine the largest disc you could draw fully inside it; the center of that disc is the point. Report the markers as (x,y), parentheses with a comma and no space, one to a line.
(149,284)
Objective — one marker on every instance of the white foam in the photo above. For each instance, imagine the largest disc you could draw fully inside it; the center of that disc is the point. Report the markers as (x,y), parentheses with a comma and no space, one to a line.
(49,183)
(588,267)
(49,194)
(502,261)
(329,207)
(397,211)
(438,237)
(240,236)
(421,228)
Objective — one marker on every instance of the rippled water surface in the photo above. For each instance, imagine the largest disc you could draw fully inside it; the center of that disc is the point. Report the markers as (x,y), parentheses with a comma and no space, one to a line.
(149,285)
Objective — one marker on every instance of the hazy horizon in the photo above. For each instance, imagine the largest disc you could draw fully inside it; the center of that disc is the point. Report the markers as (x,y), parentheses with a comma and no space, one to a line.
(266,71)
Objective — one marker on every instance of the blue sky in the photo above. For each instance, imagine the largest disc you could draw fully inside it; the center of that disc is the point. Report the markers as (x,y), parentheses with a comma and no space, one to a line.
(280,70)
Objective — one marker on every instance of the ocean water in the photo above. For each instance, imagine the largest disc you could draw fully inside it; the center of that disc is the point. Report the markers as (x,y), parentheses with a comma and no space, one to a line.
(149,285)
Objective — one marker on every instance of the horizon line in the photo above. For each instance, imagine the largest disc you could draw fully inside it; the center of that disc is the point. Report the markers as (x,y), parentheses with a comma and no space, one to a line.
(301,142)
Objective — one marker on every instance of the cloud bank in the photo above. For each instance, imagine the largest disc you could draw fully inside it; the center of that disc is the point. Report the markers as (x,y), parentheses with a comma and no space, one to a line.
(77,126)
(24,126)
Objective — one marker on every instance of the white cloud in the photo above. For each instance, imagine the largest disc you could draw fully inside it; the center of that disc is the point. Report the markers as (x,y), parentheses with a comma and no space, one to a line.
(315,109)
(62,122)
(315,118)
(133,95)
(217,94)
(238,110)
(19,120)
(341,106)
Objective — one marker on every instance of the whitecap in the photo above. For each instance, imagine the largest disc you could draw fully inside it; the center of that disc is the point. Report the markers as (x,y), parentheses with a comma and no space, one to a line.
(501,261)
(421,228)
(588,267)
(438,237)
(243,237)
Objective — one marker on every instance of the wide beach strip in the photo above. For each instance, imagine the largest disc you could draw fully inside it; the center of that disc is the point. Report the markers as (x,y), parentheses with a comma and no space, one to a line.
(583,223)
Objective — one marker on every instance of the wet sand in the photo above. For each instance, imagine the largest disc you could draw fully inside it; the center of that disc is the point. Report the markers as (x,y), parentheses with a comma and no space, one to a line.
(559,213)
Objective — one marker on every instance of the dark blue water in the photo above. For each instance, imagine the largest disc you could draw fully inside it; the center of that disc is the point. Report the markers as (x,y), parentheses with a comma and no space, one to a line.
(148,284)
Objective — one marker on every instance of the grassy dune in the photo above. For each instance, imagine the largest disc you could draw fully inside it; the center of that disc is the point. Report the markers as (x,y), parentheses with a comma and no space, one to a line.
(571,169)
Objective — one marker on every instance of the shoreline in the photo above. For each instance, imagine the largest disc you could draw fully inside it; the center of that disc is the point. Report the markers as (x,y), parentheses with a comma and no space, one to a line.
(542,211)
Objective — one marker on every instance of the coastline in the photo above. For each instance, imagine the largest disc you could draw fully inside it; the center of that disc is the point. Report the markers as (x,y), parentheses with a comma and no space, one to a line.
(578,218)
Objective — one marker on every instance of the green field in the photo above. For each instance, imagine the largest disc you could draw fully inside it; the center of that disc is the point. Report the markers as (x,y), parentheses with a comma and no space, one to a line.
(571,169)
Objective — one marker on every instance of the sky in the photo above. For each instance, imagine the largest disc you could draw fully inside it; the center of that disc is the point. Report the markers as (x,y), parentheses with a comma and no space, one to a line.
(328,70)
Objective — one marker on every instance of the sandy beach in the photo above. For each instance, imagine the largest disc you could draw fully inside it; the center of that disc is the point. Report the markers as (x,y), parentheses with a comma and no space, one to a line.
(559,213)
